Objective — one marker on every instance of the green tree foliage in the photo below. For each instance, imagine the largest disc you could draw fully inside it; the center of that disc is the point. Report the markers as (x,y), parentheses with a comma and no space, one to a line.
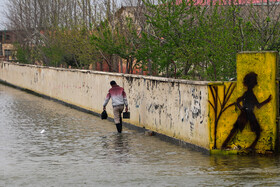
(168,30)
(171,38)
(201,41)
(217,34)
(196,40)
(103,39)
(76,44)
(22,55)
(66,47)
(118,40)
(49,49)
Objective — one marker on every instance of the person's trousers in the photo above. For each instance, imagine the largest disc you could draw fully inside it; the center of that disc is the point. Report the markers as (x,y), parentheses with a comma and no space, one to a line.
(117,110)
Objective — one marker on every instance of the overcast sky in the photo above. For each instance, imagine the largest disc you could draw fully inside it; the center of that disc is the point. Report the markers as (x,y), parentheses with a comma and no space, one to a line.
(2,19)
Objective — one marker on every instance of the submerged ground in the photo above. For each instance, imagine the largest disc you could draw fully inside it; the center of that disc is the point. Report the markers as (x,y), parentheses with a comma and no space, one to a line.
(44,143)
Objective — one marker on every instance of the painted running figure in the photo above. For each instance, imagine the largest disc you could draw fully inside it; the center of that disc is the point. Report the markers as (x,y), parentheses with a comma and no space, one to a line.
(249,101)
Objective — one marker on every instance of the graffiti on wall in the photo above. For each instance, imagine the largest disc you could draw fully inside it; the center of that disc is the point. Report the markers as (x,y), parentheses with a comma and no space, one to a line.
(220,103)
(249,102)
(193,112)
(245,104)
(242,114)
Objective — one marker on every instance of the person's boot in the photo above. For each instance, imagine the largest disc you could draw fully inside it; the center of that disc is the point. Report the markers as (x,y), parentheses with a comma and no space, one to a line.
(119,127)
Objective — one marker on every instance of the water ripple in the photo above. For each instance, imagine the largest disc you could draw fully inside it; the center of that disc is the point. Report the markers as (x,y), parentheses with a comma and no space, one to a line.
(78,149)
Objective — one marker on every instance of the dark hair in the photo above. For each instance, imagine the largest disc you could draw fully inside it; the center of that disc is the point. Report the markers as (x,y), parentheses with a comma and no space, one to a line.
(250,80)
(113,83)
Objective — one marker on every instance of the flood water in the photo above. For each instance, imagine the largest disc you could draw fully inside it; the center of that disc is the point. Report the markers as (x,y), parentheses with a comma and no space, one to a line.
(44,143)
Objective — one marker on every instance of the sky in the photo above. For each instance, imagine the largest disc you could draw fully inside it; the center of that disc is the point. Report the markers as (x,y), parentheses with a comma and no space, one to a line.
(2,16)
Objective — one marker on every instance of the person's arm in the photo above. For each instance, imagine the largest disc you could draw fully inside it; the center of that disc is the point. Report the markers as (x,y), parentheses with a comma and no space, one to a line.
(126,108)
(238,102)
(125,100)
(264,102)
(106,101)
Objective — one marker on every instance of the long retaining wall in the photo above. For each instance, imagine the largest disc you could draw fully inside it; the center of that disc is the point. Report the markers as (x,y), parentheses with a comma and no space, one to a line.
(195,112)
(176,108)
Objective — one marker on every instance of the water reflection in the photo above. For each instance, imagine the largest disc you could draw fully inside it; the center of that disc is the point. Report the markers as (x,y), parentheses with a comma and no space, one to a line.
(121,144)
(78,149)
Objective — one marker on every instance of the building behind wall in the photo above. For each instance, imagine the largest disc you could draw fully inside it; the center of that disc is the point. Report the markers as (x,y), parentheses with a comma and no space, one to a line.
(7,39)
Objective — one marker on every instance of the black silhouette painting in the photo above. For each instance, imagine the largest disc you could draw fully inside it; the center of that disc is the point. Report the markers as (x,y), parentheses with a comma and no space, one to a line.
(249,102)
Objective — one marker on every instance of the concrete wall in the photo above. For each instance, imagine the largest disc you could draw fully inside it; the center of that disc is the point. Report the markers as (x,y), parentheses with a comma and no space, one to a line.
(199,113)
(176,108)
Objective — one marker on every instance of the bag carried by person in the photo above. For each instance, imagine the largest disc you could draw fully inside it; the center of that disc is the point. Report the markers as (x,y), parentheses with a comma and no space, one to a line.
(104,115)
(126,115)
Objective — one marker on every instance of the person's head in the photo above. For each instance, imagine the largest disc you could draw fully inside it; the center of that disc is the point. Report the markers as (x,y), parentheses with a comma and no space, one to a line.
(250,80)
(112,83)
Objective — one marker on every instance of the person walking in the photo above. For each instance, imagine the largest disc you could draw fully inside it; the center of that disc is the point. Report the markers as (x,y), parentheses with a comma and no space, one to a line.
(119,99)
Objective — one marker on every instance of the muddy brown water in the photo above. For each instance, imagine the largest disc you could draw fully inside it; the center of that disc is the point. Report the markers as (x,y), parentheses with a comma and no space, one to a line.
(44,143)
